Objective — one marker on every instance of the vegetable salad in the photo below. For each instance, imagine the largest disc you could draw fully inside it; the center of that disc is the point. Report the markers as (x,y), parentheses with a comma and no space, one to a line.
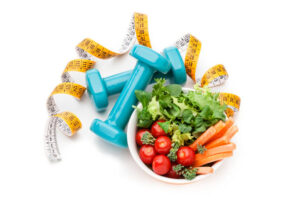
(176,129)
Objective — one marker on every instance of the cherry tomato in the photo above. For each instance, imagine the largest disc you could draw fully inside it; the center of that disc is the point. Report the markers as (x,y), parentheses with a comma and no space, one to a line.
(163,145)
(172,173)
(147,153)
(161,164)
(156,130)
(139,135)
(185,156)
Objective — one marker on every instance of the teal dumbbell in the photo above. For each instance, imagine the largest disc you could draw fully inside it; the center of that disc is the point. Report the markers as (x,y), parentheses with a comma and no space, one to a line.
(149,61)
(100,88)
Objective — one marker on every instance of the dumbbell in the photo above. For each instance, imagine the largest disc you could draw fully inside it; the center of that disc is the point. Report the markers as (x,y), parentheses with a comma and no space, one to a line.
(149,61)
(100,88)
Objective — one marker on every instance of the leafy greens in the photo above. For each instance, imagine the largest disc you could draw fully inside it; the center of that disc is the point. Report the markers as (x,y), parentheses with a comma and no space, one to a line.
(186,115)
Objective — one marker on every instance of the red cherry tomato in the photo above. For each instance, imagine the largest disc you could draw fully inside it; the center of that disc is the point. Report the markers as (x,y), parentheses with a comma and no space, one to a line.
(163,145)
(185,156)
(156,130)
(139,135)
(161,164)
(147,153)
(172,173)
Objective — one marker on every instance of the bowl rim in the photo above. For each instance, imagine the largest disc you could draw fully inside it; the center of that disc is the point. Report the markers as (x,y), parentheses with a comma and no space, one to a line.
(131,132)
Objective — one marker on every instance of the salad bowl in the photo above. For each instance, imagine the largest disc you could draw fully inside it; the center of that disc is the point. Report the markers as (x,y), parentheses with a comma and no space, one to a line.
(134,151)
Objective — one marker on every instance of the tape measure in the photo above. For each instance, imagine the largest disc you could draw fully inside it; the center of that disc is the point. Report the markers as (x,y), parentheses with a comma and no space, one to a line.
(67,122)
(77,65)
(138,29)
(190,47)
(214,76)
(232,101)
(89,51)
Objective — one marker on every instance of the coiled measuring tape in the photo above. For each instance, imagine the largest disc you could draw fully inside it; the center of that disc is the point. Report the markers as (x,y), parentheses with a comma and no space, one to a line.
(66,122)
(89,51)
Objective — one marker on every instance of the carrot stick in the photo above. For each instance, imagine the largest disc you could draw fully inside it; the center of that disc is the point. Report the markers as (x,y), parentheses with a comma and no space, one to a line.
(204,170)
(220,133)
(210,159)
(203,138)
(216,150)
(225,139)
(219,126)
(218,142)
(231,132)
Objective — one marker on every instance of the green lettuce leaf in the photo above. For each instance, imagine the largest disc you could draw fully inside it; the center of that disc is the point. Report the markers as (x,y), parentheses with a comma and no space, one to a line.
(143,97)
(144,118)
(181,138)
(165,126)
(174,89)
(185,128)
(187,116)
(154,109)
(208,104)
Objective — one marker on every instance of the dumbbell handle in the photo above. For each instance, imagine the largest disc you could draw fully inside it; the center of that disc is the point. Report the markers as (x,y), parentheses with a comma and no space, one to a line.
(115,83)
(140,77)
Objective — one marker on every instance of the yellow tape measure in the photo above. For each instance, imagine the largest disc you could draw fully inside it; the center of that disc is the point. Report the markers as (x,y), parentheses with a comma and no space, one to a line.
(214,76)
(139,30)
(96,49)
(190,47)
(72,89)
(232,101)
(89,50)
(191,57)
(77,65)
(71,121)
(67,123)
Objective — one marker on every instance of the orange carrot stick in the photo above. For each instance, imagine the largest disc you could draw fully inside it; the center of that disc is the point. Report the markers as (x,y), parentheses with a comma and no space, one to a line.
(204,170)
(218,142)
(225,139)
(220,133)
(231,132)
(216,150)
(203,138)
(219,126)
(210,159)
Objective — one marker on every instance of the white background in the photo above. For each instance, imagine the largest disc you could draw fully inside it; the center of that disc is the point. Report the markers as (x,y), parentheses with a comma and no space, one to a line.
(257,41)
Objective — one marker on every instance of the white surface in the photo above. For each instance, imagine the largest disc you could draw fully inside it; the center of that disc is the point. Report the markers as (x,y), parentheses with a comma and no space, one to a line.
(133,149)
(258,42)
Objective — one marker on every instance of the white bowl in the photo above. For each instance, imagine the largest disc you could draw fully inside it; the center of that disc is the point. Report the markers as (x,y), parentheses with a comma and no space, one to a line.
(131,132)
